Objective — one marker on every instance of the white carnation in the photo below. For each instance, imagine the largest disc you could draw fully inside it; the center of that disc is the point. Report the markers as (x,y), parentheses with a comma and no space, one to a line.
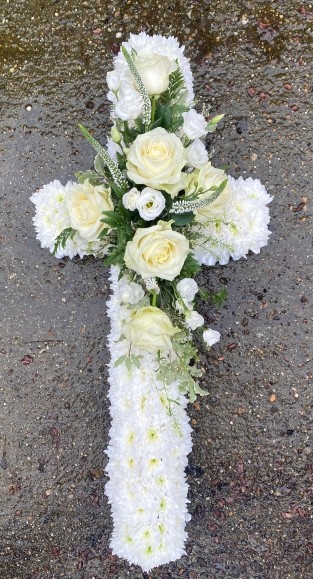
(243,227)
(195,125)
(150,204)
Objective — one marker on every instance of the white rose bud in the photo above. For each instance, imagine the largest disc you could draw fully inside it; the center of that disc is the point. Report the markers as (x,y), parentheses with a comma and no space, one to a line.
(194,320)
(113,80)
(130,199)
(195,125)
(154,70)
(150,204)
(211,337)
(196,154)
(187,288)
(130,292)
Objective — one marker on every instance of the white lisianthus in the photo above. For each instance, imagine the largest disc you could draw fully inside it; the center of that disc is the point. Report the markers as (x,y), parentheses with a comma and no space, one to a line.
(193,320)
(157,251)
(129,104)
(85,205)
(156,159)
(150,329)
(130,292)
(195,125)
(211,337)
(130,199)
(187,288)
(154,70)
(196,154)
(150,204)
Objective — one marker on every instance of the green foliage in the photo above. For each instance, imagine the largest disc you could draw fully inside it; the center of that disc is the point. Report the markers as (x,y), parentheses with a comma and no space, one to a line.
(62,238)
(120,221)
(190,268)
(92,177)
(129,360)
(217,298)
(182,219)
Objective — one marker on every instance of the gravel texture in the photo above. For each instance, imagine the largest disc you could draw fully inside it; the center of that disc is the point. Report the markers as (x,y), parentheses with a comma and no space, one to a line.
(250,472)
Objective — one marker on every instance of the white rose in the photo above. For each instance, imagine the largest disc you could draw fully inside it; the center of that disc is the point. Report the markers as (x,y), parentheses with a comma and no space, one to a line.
(130,199)
(150,204)
(129,104)
(196,154)
(193,320)
(85,205)
(211,337)
(205,178)
(157,251)
(195,125)
(154,71)
(113,80)
(130,292)
(187,288)
(150,329)
(156,159)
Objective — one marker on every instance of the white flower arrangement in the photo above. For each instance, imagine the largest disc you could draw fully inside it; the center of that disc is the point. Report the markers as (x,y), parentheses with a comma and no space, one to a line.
(156,209)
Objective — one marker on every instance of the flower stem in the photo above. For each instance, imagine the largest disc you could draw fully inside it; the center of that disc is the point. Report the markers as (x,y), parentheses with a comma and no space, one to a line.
(153,103)
(154,299)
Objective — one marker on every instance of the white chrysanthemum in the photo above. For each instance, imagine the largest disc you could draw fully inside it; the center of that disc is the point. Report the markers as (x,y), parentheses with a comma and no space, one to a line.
(244,226)
(52,216)
(147,454)
(123,92)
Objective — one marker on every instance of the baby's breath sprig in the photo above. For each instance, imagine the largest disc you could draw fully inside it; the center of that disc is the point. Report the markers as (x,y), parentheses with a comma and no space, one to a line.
(141,88)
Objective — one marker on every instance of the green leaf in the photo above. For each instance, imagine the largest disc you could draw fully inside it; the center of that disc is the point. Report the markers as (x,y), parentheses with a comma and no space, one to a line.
(62,238)
(103,233)
(120,360)
(181,219)
(92,177)
(220,297)
(164,114)
(190,268)
(128,363)
(212,124)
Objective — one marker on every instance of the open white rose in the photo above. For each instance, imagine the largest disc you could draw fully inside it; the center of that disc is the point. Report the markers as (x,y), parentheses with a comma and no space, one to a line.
(130,199)
(130,292)
(196,154)
(154,70)
(129,104)
(187,288)
(211,337)
(150,329)
(157,251)
(205,178)
(85,204)
(156,159)
(193,319)
(195,125)
(150,204)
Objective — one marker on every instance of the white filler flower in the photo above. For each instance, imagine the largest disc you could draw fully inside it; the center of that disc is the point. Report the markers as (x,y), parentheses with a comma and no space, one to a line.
(130,199)
(150,204)
(195,125)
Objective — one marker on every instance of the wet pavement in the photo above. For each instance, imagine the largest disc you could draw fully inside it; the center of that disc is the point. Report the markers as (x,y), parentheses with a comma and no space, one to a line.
(250,472)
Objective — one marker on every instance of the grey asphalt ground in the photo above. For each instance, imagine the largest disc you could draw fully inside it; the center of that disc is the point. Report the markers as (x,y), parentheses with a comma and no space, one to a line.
(250,472)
